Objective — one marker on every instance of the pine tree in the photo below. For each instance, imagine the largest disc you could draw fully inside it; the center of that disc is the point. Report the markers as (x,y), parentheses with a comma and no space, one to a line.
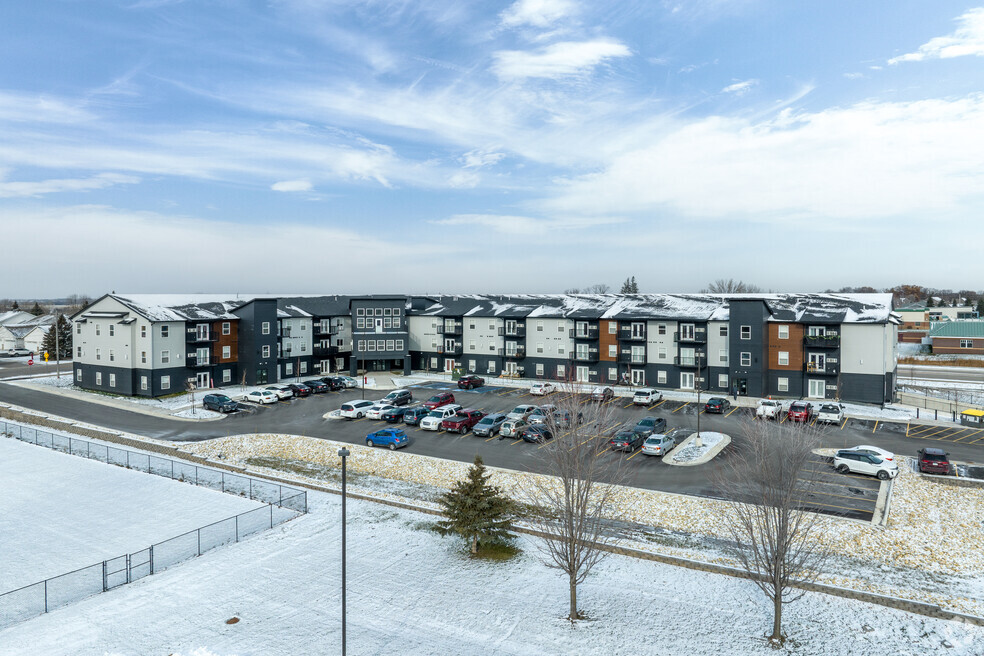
(64,329)
(630,286)
(477,511)
(929,301)
(980,307)
(37,310)
(15,306)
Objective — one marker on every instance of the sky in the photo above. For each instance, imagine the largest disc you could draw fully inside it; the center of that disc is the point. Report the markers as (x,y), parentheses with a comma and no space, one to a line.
(442,146)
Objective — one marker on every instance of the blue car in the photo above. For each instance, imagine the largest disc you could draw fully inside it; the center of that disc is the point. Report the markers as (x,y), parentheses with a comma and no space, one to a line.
(394,438)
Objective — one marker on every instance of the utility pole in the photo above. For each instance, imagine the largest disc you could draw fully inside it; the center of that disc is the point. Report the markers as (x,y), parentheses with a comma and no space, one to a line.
(57,351)
(699,380)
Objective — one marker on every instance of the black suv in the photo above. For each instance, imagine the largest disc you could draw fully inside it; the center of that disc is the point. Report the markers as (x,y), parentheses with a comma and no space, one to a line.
(299,390)
(332,383)
(316,386)
(219,403)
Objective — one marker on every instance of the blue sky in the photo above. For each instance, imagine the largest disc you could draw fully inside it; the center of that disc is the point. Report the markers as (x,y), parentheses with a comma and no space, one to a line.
(530,146)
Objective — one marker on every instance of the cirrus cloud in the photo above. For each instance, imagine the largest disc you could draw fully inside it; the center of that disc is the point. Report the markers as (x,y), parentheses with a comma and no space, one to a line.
(559,60)
(291,185)
(967,39)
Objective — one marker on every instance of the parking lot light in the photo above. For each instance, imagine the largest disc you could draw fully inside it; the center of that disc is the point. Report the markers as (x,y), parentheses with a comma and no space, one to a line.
(344,453)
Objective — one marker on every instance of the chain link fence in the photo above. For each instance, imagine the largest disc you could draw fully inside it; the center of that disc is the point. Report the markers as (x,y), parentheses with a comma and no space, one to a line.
(283,504)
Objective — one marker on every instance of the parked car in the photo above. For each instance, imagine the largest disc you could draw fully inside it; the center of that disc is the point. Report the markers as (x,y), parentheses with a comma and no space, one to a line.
(282,391)
(934,461)
(542,389)
(512,427)
(658,445)
(436,401)
(219,403)
(436,417)
(300,390)
(394,438)
(646,397)
(348,381)
(471,381)
(831,413)
(627,440)
(679,434)
(377,409)
(602,394)
(768,409)
(862,460)
(717,405)
(356,409)
(399,397)
(393,415)
(872,450)
(540,415)
(332,382)
(489,425)
(800,411)
(412,416)
(650,425)
(521,411)
(317,387)
(463,421)
(260,396)
(17,352)
(536,433)
(565,418)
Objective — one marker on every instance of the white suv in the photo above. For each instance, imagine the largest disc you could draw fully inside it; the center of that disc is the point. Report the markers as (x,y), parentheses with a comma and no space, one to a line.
(432,421)
(356,409)
(867,460)
(646,397)
(542,389)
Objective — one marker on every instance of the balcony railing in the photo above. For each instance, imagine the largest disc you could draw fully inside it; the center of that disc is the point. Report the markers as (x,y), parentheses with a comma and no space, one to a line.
(455,349)
(625,333)
(517,351)
(327,330)
(699,336)
(822,341)
(324,351)
(827,369)
(195,361)
(586,355)
(629,358)
(584,332)
(449,328)
(689,361)
(193,337)
(513,331)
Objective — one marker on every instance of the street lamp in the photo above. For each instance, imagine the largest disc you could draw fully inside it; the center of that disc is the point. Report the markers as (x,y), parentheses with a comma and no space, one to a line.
(344,453)
(699,357)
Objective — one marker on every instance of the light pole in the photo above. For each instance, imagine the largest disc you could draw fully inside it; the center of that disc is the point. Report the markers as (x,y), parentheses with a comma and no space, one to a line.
(699,356)
(344,453)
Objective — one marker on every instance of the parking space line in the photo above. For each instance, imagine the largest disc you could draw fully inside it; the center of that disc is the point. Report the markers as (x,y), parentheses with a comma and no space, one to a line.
(922,430)
(493,437)
(907,424)
(844,424)
(925,435)
(508,391)
(976,441)
(683,406)
(634,454)
(605,450)
(729,414)
(657,404)
(517,441)
(962,430)
(830,505)
(976,432)
(629,404)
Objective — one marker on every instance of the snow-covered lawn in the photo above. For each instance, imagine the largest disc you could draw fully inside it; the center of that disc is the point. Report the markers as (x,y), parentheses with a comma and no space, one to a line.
(412,592)
(59,512)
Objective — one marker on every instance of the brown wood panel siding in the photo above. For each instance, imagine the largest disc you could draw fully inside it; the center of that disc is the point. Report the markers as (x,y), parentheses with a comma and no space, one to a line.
(793,345)
(951,346)
(231,340)
(606,339)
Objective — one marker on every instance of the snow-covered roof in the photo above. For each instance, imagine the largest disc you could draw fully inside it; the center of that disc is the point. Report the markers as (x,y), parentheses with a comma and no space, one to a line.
(184,307)
(13,316)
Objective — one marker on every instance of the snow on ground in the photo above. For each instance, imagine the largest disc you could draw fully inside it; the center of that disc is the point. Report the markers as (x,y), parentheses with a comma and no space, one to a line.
(59,512)
(708,441)
(411,591)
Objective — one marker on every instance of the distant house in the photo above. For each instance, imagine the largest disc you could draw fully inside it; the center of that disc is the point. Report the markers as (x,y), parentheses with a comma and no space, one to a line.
(918,319)
(27,333)
(957,337)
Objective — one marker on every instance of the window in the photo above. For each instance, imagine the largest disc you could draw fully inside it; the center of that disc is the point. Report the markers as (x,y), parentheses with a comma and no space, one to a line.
(661,377)
(78,329)
(612,327)
(661,352)
(143,383)
(783,332)
(112,380)
(371,345)
(143,331)
(661,330)
(396,312)
(226,352)
(539,369)
(227,375)
(379,312)
(97,329)
(539,347)
(612,373)
(471,366)
(360,323)
(390,344)
(99,354)
(966,343)
(723,356)
(303,347)
(491,366)
(723,381)
(112,355)
(471,344)
(433,363)
(783,358)
(560,328)
(112,330)
(265,351)
(165,382)
(746,359)
(78,375)
(746,332)
(265,328)
(226,329)
(78,352)
(561,371)
(99,378)
(724,331)
(388,322)
(492,325)
(539,326)
(560,350)
(389,312)
(471,325)
(289,369)
(612,351)
(396,322)
(303,367)
(360,312)
(782,384)
(165,331)
(399,345)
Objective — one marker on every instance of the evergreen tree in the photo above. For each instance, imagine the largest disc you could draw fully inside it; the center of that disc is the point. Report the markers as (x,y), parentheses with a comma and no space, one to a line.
(630,286)
(980,307)
(64,328)
(929,301)
(37,310)
(15,306)
(477,511)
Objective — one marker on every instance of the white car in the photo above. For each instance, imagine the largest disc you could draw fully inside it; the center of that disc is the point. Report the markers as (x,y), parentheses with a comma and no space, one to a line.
(432,421)
(658,445)
(521,411)
(542,389)
(866,459)
(831,413)
(260,396)
(646,397)
(282,391)
(355,409)
(377,410)
(768,409)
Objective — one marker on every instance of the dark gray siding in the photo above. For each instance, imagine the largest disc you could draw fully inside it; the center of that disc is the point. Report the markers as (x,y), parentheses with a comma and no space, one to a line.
(252,340)
(751,313)
(866,388)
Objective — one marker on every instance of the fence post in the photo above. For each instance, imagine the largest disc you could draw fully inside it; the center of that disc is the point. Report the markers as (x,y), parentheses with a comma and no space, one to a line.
(46,595)
(281,504)
(196,477)
(223,481)
(104,576)
(251,488)
(237,528)
(271,515)
(127,459)
(172,470)
(199,531)
(87,450)
(151,559)
(128,579)
(936,414)
(69,444)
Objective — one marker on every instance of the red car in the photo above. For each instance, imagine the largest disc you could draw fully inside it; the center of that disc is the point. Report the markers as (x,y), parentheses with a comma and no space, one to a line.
(800,411)
(470,382)
(462,422)
(436,401)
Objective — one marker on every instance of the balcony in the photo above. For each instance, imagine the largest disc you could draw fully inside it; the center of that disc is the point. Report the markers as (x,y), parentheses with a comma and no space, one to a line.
(514,331)
(193,361)
(829,369)
(585,332)
(699,336)
(455,349)
(586,355)
(690,361)
(324,351)
(193,337)
(516,351)
(626,357)
(822,341)
(327,330)
(449,328)
(626,334)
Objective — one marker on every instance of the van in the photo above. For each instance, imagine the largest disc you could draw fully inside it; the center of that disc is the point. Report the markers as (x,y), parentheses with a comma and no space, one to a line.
(355,409)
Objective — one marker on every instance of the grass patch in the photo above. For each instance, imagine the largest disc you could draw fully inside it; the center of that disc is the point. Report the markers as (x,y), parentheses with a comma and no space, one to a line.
(929,360)
(496,552)
(304,468)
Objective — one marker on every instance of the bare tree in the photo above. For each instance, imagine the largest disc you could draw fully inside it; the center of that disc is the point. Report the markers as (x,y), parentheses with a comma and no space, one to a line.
(768,480)
(77,303)
(731,286)
(578,489)
(598,288)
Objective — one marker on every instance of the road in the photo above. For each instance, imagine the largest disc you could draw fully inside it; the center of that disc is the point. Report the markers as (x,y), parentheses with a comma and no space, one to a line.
(973,375)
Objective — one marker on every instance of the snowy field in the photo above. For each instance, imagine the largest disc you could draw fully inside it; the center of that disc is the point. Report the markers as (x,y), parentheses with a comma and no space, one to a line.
(59,512)
(412,592)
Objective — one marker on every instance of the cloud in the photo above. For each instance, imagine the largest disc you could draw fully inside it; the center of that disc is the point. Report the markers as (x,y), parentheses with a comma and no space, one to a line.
(292,185)
(967,39)
(565,59)
(740,88)
(25,108)
(480,158)
(525,225)
(537,13)
(854,76)
(39,188)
